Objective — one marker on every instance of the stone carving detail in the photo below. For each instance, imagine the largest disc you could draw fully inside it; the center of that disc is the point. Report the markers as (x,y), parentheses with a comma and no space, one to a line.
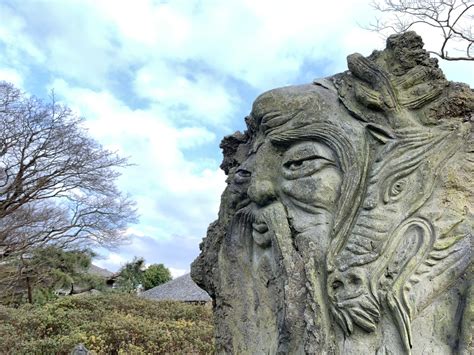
(346,225)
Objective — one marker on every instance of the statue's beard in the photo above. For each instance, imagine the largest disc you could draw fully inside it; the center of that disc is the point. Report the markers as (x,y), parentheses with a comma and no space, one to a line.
(362,310)
(272,240)
(267,240)
(275,233)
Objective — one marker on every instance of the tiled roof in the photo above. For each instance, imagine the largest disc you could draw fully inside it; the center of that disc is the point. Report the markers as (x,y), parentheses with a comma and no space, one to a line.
(182,288)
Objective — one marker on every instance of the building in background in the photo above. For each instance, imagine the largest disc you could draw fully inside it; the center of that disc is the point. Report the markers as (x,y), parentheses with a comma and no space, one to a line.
(182,289)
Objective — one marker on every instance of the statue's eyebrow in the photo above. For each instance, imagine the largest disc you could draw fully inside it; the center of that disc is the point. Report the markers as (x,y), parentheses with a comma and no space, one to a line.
(269,116)
(274,119)
(304,132)
(307,153)
(284,139)
(309,156)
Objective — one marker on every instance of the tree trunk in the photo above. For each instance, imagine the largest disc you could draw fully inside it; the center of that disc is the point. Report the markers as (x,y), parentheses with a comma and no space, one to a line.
(30,292)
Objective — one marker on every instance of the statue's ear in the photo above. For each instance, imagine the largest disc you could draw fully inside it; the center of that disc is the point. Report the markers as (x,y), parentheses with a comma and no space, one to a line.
(381,134)
(407,248)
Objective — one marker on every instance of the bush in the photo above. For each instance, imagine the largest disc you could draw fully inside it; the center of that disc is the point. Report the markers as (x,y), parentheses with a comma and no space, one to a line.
(107,324)
(154,275)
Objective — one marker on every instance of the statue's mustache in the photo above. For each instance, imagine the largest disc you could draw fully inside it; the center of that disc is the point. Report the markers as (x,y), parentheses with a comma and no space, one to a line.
(263,223)
(250,217)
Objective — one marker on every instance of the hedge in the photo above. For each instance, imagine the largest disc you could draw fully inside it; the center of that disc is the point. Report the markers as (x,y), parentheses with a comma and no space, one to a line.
(107,324)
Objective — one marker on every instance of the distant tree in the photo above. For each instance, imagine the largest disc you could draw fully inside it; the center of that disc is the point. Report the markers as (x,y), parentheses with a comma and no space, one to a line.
(452,20)
(44,271)
(130,276)
(135,274)
(154,275)
(57,185)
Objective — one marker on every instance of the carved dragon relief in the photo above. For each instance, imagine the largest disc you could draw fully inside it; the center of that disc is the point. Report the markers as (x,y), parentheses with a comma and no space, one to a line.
(347,213)
(389,247)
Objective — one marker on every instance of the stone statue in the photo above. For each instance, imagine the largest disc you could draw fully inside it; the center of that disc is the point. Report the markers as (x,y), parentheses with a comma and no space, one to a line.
(80,349)
(346,224)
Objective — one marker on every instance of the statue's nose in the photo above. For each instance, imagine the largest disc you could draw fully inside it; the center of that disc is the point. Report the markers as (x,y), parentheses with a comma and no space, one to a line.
(261,192)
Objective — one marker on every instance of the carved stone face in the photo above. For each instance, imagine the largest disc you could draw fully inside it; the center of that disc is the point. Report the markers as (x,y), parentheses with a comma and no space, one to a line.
(300,156)
(310,186)
(301,167)
(301,171)
(306,181)
(345,222)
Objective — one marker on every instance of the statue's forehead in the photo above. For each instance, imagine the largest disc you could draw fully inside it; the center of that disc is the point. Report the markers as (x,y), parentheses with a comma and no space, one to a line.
(296,106)
(285,99)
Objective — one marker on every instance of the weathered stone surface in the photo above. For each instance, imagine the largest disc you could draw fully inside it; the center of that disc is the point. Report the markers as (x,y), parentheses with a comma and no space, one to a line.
(346,224)
(80,349)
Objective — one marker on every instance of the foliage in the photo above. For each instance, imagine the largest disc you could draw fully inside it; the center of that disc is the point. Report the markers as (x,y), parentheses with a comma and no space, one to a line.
(133,274)
(107,324)
(451,20)
(130,275)
(36,278)
(57,185)
(154,275)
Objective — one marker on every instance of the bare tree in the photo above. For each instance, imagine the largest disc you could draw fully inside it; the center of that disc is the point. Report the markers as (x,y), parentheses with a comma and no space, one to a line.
(57,185)
(452,20)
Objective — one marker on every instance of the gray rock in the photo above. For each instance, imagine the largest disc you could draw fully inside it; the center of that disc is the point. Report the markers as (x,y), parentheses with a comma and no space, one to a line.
(80,349)
(346,224)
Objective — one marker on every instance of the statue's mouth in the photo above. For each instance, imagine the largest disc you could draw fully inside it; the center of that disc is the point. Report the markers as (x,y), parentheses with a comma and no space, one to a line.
(261,234)
(260,227)
(260,221)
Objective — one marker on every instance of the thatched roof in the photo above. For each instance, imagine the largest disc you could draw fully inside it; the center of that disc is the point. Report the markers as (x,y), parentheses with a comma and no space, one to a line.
(98,271)
(182,288)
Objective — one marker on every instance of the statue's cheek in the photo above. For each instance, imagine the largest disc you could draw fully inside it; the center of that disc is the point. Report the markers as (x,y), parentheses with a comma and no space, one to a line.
(320,189)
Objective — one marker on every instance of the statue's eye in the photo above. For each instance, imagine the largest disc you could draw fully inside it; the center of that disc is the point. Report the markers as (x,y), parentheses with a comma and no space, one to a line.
(296,168)
(296,164)
(305,159)
(398,187)
(241,176)
(243,173)
(337,284)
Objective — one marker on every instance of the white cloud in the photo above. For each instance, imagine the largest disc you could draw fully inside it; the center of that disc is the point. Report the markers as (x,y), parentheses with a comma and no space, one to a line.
(15,37)
(12,76)
(177,272)
(255,42)
(199,96)
(163,180)
(182,53)
(175,252)
(133,232)
(161,82)
(112,261)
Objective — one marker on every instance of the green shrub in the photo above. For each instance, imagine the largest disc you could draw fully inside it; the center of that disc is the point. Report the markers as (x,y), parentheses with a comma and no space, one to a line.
(107,324)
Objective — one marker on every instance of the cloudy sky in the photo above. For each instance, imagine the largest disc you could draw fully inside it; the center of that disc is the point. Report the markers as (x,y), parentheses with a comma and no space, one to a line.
(163,81)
